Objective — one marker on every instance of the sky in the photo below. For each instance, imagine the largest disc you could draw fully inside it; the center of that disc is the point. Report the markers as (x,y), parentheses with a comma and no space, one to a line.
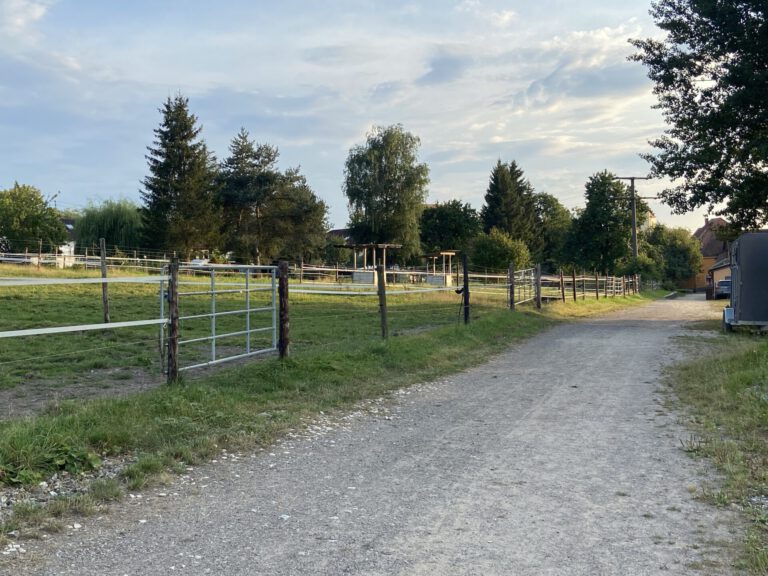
(546,84)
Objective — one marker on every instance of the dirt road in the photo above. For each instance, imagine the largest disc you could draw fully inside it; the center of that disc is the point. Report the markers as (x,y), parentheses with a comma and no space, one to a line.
(557,457)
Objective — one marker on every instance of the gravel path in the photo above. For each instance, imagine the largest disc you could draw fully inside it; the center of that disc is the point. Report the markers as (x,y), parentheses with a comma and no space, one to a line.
(556,457)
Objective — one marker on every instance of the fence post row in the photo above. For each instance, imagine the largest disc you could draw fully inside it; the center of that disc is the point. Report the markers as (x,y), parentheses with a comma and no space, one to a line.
(382,290)
(173,321)
(282,289)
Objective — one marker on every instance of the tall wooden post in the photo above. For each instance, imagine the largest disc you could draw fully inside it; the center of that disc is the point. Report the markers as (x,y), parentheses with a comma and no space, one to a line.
(465,289)
(173,321)
(511,285)
(104,285)
(597,286)
(583,286)
(562,286)
(282,291)
(39,252)
(382,288)
(538,286)
(573,283)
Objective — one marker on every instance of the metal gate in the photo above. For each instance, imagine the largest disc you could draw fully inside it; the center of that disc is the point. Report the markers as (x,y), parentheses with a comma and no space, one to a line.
(226,312)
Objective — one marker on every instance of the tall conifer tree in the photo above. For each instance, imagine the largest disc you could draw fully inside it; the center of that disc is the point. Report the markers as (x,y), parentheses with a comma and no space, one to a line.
(179,211)
(509,204)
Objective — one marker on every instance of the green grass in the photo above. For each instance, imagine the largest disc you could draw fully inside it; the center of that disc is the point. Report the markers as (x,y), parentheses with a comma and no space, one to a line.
(337,359)
(726,393)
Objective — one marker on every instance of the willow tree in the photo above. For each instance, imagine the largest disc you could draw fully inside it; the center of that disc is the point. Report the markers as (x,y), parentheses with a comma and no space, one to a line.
(386,187)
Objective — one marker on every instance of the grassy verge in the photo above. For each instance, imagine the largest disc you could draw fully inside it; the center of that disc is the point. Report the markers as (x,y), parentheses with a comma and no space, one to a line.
(725,390)
(337,361)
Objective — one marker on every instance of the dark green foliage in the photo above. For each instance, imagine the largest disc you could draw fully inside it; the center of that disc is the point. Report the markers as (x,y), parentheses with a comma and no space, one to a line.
(553,223)
(386,188)
(179,211)
(333,254)
(26,217)
(497,250)
(711,79)
(248,181)
(118,222)
(676,252)
(510,205)
(601,234)
(295,221)
(449,226)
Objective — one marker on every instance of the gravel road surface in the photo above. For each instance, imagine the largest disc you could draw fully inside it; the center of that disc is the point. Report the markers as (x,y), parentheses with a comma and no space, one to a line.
(556,457)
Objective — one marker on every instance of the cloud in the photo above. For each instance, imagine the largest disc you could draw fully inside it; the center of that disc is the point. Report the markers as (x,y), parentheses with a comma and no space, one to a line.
(504,19)
(18,16)
(445,67)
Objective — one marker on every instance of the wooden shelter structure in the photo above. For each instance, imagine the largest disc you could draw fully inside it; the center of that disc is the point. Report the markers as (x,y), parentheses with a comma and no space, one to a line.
(444,275)
(378,255)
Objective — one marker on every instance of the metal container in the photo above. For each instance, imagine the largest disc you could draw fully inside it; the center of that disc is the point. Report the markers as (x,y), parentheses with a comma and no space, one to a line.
(749,281)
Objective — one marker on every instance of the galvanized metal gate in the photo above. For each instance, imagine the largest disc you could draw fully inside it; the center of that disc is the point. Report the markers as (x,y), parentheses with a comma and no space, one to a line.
(223,304)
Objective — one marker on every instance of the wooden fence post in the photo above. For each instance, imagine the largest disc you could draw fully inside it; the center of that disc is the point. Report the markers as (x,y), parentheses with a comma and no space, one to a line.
(538,286)
(511,285)
(583,286)
(104,285)
(573,283)
(597,286)
(39,252)
(382,289)
(465,289)
(282,291)
(562,286)
(173,321)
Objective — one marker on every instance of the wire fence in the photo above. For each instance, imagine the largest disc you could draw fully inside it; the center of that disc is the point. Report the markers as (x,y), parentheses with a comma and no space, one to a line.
(53,324)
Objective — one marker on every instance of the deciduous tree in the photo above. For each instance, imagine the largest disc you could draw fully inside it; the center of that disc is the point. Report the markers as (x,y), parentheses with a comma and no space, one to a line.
(496,250)
(451,225)
(119,222)
(711,79)
(386,187)
(26,216)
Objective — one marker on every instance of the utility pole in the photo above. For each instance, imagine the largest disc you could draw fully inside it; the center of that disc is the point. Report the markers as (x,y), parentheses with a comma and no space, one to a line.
(634,207)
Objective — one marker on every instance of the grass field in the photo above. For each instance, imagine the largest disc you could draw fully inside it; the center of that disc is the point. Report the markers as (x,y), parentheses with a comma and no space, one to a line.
(337,359)
(725,392)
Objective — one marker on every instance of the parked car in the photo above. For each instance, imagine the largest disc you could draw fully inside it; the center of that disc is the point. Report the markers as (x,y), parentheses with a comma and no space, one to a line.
(723,289)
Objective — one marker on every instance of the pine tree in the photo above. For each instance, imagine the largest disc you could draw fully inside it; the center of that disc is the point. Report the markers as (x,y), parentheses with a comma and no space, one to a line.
(510,205)
(179,211)
(248,180)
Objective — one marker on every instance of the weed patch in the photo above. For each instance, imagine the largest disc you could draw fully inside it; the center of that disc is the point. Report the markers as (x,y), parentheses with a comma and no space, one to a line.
(725,390)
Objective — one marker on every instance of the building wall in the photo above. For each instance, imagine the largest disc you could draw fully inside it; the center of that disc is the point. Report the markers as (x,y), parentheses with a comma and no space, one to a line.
(699,282)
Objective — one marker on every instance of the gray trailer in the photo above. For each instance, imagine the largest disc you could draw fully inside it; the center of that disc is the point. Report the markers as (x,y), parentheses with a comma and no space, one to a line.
(749,282)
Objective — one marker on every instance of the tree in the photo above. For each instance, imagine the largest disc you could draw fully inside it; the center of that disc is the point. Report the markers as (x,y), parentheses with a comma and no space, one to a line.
(27,217)
(295,223)
(179,211)
(386,187)
(449,226)
(118,222)
(553,223)
(711,76)
(248,180)
(679,252)
(510,205)
(497,250)
(600,235)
